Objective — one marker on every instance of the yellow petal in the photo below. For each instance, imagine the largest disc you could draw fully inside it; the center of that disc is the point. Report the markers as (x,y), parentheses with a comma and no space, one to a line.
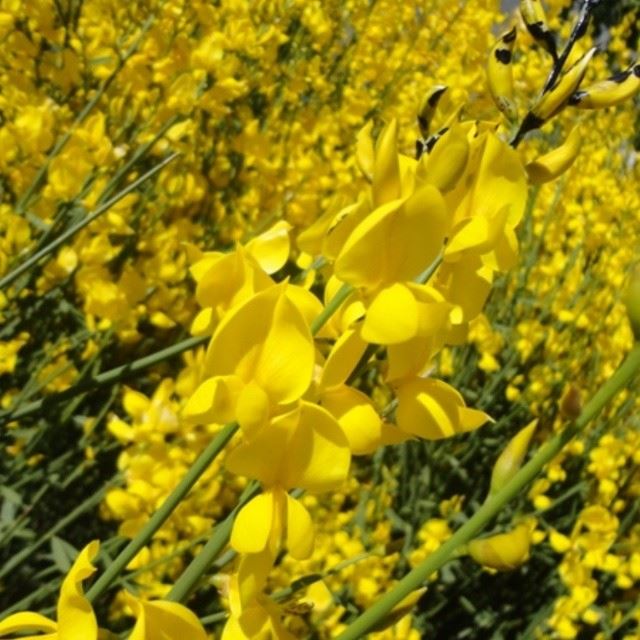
(164,620)
(504,551)
(431,409)
(342,225)
(363,258)
(342,359)
(510,460)
(300,533)
(409,358)
(392,316)
(203,323)
(357,416)
(386,171)
(75,614)
(553,164)
(214,401)
(252,409)
(271,248)
(445,164)
(135,403)
(265,340)
(248,584)
(252,526)
(28,621)
(477,234)
(364,150)
(396,242)
(307,449)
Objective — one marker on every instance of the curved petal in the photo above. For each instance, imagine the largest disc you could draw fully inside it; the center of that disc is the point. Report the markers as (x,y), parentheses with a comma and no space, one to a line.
(252,526)
(392,316)
(214,401)
(357,416)
(432,409)
(28,621)
(342,359)
(76,618)
(271,248)
(300,533)
(164,620)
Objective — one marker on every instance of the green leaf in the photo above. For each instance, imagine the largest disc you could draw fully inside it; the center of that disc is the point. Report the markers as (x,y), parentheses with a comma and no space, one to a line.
(63,553)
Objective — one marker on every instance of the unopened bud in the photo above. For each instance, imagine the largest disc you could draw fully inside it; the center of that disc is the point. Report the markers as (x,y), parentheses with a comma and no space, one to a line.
(571,403)
(631,299)
(503,552)
(510,460)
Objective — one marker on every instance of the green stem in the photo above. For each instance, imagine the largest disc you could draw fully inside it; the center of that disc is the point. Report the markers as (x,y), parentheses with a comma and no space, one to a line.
(166,509)
(199,565)
(332,306)
(415,578)
(106,378)
(71,231)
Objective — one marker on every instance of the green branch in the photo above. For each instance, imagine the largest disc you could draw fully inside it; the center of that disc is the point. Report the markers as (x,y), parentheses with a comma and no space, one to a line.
(492,506)
(71,231)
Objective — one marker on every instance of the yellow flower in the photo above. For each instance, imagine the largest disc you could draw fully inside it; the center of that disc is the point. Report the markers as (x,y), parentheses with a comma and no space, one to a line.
(158,620)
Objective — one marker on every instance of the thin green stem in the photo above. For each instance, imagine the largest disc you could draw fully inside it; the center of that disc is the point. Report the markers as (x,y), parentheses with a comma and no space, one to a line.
(106,378)
(71,231)
(494,503)
(187,582)
(332,306)
(166,509)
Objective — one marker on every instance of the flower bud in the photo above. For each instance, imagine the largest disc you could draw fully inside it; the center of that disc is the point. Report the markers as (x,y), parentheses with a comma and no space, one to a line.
(503,552)
(511,458)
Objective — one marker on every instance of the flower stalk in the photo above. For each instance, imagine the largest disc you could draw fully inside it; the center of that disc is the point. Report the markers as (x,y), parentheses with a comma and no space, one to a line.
(495,502)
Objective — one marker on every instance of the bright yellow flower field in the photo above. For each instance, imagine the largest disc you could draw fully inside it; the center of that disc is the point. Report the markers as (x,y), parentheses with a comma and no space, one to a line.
(319,319)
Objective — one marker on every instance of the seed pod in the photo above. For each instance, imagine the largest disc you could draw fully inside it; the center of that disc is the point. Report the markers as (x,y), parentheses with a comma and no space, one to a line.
(503,552)
(557,97)
(500,73)
(609,92)
(536,22)
(428,107)
(510,460)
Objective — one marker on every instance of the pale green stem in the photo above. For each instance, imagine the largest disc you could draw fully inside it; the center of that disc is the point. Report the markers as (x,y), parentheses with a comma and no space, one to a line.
(333,305)
(494,503)
(71,231)
(101,379)
(166,509)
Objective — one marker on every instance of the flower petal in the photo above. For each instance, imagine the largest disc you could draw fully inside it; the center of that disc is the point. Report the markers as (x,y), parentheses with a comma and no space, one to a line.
(300,533)
(431,409)
(28,621)
(392,316)
(76,618)
(164,620)
(252,526)
(271,248)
